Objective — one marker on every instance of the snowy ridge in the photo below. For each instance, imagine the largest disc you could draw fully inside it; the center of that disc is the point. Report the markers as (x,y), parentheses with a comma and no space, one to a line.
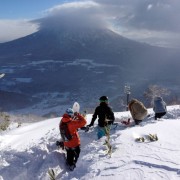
(29,151)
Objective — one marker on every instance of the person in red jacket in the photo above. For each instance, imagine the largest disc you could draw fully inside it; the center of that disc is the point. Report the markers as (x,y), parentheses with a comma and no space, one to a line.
(72,144)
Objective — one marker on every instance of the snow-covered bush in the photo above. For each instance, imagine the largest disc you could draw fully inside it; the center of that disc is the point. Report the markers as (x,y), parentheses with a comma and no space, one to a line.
(4,121)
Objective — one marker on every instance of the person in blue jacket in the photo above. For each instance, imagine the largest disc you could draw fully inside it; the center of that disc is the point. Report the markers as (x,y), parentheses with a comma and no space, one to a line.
(159,107)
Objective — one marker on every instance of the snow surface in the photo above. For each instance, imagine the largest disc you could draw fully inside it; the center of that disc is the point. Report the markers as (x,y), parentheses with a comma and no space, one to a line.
(27,152)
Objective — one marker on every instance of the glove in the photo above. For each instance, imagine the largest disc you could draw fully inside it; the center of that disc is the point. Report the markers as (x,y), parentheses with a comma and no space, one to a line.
(90,125)
(76,114)
(85,128)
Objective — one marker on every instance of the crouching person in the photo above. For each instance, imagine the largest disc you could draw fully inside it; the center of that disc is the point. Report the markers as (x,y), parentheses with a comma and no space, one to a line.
(138,111)
(159,107)
(68,126)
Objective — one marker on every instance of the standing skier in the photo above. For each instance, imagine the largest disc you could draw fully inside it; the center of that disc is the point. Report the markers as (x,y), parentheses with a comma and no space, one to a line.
(69,124)
(159,107)
(138,110)
(105,116)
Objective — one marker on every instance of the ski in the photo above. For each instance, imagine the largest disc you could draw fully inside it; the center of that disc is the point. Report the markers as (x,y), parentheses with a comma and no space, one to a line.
(107,140)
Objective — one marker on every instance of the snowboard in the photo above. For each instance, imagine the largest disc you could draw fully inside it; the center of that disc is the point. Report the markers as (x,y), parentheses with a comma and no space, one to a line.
(76,107)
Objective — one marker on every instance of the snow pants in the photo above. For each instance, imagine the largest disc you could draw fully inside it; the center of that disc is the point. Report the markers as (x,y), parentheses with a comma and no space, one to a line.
(101,131)
(159,115)
(72,155)
(137,122)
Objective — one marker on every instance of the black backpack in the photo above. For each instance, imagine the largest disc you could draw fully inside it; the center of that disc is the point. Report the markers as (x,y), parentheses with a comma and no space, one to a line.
(64,131)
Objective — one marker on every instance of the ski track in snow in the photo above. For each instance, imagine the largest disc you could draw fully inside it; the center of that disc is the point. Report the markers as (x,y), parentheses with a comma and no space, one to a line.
(28,152)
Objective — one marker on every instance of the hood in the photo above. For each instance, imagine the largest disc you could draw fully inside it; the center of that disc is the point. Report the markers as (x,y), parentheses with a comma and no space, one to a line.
(133,100)
(158,98)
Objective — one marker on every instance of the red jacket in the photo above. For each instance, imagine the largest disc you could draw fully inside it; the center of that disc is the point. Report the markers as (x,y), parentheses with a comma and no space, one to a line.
(73,125)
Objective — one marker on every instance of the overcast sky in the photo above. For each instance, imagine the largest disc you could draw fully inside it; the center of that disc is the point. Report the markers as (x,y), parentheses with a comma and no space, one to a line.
(152,21)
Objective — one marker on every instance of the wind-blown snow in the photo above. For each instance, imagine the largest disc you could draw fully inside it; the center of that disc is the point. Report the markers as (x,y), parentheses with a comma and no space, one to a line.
(28,152)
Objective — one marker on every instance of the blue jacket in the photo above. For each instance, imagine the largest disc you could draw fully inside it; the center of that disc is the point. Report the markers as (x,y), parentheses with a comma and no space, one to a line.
(159,105)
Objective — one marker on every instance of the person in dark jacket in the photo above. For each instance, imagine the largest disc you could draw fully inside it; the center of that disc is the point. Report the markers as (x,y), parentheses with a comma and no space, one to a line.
(105,116)
(159,107)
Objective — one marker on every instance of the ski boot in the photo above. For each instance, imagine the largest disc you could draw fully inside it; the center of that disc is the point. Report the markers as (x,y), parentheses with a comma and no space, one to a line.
(153,137)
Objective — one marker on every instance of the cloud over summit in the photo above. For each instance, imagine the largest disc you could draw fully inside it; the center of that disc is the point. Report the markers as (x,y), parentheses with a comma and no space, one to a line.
(74,15)
(152,21)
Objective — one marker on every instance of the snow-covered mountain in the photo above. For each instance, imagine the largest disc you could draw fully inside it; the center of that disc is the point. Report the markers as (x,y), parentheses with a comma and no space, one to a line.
(29,151)
(56,66)
(66,44)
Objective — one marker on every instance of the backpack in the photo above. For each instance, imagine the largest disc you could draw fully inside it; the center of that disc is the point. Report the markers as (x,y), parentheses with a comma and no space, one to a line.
(64,131)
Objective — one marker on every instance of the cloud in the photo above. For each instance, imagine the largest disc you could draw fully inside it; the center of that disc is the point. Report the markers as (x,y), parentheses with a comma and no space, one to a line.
(74,15)
(154,18)
(152,21)
(147,14)
(13,29)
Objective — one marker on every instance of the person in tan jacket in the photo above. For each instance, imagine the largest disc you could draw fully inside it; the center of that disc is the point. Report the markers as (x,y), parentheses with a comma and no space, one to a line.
(138,110)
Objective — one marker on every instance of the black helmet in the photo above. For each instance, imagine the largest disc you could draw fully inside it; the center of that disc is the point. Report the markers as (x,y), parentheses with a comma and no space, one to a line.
(103,99)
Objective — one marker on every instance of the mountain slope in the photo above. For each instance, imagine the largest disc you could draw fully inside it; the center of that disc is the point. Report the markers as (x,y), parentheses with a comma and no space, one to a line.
(66,44)
(63,62)
(29,151)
